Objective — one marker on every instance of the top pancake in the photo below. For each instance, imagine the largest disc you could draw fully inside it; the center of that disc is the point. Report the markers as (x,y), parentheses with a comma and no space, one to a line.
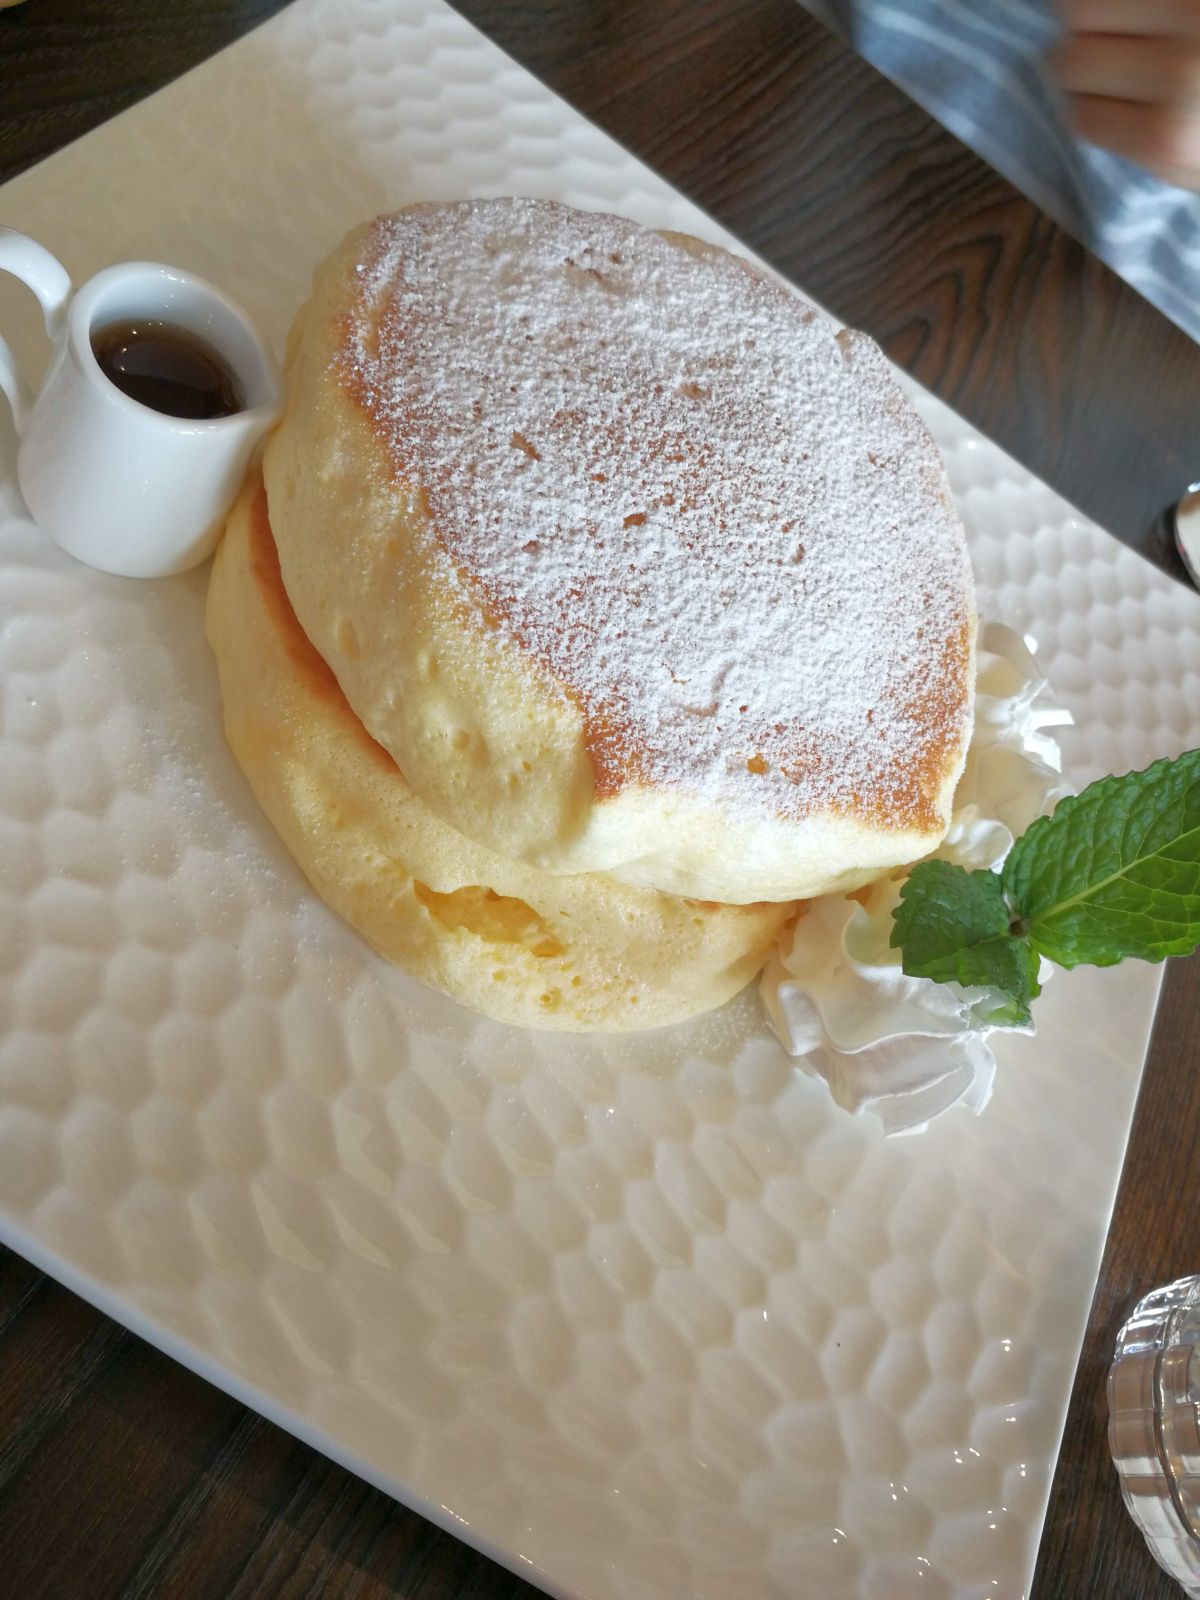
(627,559)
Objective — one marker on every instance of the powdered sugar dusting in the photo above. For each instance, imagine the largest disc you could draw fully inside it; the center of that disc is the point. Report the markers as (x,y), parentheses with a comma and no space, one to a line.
(721,527)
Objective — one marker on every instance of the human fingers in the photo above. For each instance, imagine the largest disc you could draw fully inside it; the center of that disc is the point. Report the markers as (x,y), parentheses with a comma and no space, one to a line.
(1152,71)
(1164,141)
(1168,19)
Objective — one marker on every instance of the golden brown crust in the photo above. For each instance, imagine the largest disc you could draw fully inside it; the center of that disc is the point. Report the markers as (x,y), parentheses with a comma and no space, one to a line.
(522,946)
(687,562)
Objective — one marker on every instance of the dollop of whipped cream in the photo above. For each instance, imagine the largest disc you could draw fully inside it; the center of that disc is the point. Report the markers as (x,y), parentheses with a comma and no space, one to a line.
(909,1048)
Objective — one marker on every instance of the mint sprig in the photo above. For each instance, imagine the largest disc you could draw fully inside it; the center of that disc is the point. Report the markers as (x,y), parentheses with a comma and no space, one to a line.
(954,926)
(1113,872)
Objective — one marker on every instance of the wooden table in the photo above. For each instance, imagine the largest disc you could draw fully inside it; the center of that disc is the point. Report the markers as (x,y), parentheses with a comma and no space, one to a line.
(122,1474)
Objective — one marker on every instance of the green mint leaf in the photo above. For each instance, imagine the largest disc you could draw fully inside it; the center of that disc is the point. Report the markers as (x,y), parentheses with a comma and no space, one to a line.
(1114,871)
(953,925)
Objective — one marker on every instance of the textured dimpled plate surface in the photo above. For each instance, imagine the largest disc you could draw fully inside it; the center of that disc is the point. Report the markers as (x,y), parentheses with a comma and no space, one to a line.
(645,1318)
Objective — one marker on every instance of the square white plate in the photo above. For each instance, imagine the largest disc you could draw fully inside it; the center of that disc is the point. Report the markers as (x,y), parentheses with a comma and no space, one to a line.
(642,1318)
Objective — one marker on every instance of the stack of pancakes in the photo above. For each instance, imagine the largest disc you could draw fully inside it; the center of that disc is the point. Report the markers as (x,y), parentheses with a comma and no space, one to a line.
(595,604)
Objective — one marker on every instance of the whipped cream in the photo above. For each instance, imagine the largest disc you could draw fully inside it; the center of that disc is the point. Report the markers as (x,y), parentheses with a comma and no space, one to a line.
(909,1048)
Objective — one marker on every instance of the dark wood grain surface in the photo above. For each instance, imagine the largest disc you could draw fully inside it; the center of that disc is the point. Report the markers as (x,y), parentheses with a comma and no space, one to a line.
(123,1475)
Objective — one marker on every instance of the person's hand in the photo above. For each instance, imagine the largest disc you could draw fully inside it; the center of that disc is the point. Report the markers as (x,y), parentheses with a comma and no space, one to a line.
(1131,69)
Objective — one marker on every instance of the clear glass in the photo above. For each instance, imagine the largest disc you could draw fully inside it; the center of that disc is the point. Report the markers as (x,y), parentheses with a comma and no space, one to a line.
(1184,519)
(1154,1425)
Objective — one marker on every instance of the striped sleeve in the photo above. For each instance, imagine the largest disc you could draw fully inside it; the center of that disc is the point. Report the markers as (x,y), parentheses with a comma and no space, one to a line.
(979,67)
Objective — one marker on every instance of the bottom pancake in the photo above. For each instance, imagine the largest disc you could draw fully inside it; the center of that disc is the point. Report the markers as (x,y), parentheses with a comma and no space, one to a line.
(580,952)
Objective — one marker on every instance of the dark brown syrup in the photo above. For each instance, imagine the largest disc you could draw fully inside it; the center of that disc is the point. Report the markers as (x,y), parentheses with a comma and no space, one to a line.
(168,369)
